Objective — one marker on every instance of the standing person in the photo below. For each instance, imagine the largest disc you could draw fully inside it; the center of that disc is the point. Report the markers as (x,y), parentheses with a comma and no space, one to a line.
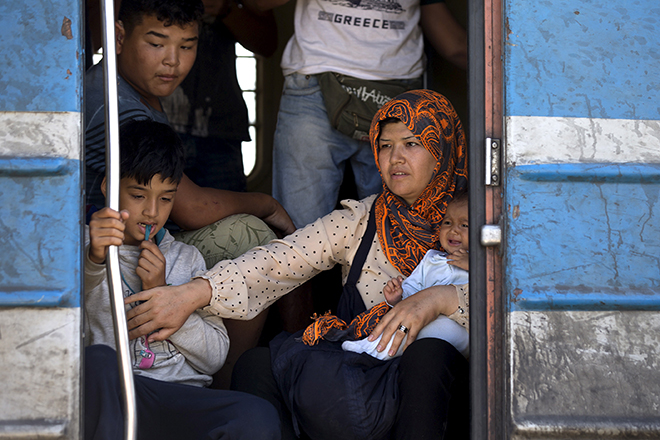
(367,40)
(207,109)
(420,150)
(170,376)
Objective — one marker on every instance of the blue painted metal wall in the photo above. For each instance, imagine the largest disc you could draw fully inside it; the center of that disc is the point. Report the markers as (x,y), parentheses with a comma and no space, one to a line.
(41,68)
(582,219)
(576,229)
(42,56)
(583,58)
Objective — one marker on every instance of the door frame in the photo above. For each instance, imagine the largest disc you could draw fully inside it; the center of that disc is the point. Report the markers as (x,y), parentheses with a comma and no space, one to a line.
(485,96)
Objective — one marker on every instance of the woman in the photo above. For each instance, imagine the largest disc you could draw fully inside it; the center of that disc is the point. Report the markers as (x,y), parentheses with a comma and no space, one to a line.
(419,146)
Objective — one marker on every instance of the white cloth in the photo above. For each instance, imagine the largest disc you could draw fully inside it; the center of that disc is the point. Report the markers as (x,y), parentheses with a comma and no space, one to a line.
(369,40)
(433,270)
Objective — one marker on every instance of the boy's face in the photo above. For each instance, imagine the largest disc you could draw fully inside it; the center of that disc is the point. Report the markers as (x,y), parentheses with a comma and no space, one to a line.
(155,58)
(146,204)
(454,229)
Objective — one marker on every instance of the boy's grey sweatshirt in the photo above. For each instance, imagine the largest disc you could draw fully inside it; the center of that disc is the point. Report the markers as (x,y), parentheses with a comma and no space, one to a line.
(192,354)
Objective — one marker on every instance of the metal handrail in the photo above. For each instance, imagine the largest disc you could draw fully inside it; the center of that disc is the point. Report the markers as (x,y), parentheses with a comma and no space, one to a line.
(112,201)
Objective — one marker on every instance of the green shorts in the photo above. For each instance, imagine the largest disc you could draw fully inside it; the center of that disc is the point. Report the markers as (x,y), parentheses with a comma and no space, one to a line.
(228,238)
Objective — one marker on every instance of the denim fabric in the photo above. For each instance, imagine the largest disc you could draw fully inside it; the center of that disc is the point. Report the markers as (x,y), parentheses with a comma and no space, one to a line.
(214,162)
(309,156)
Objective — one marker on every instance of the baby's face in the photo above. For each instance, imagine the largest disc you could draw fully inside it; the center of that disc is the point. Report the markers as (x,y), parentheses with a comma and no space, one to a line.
(454,229)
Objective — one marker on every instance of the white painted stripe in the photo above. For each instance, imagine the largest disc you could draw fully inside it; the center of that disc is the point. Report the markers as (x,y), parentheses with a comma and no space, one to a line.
(41,378)
(544,140)
(41,134)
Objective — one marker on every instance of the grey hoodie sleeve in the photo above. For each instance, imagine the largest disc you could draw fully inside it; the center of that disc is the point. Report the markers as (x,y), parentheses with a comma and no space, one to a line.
(202,339)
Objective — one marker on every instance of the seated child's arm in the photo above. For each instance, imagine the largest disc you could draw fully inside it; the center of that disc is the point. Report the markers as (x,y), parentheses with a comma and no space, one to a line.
(460,258)
(393,291)
(151,266)
(202,339)
(106,228)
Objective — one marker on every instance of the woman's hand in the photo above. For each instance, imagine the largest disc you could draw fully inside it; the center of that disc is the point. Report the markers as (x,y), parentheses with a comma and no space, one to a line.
(165,309)
(414,313)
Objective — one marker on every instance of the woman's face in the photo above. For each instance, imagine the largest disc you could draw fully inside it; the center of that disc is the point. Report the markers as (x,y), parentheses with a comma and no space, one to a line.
(406,166)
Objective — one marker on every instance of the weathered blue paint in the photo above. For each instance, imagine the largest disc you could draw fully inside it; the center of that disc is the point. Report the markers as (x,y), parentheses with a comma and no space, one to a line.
(583,236)
(40,232)
(41,60)
(583,58)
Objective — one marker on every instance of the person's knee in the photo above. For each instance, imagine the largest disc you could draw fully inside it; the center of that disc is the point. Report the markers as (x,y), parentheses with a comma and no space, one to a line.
(248,370)
(228,238)
(265,423)
(100,359)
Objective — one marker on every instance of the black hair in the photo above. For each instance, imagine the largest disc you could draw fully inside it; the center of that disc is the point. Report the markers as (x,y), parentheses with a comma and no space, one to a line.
(389,120)
(461,196)
(148,148)
(177,12)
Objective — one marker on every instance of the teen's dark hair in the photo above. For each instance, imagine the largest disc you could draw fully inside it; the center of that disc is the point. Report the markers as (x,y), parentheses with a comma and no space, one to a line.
(148,148)
(170,12)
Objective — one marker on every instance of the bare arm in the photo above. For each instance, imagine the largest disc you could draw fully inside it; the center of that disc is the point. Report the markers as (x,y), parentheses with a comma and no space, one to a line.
(445,34)
(165,309)
(415,312)
(196,207)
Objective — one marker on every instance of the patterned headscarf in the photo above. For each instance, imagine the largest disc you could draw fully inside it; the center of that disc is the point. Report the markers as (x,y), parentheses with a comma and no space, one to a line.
(407,232)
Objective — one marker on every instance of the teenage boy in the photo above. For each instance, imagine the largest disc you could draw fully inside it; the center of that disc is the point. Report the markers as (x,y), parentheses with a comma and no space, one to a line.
(170,376)
(156,48)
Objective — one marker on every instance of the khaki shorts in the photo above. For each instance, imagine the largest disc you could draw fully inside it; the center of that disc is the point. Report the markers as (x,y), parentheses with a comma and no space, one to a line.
(228,238)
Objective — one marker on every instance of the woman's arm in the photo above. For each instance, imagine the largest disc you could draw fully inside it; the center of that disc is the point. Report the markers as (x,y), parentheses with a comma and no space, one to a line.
(244,287)
(415,313)
(165,309)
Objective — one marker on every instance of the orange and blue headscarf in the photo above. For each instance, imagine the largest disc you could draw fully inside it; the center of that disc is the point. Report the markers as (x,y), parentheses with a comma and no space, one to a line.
(407,232)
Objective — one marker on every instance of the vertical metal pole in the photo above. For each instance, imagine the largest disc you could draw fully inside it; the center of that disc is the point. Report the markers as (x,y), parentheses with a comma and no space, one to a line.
(112,201)
(476,136)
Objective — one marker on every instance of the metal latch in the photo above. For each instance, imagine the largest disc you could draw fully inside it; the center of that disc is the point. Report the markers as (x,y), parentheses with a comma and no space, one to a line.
(491,235)
(492,163)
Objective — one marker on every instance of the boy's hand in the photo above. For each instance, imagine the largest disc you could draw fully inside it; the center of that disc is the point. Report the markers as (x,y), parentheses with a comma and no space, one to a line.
(460,258)
(393,290)
(151,266)
(106,228)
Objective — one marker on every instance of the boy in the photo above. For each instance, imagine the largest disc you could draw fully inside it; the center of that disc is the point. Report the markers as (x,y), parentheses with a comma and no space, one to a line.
(156,48)
(436,268)
(170,375)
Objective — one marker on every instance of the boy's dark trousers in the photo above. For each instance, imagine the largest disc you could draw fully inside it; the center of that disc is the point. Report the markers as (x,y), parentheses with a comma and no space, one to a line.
(169,410)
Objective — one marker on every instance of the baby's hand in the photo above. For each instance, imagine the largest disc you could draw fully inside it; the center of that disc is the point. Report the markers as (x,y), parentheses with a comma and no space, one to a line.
(151,266)
(106,228)
(460,258)
(393,290)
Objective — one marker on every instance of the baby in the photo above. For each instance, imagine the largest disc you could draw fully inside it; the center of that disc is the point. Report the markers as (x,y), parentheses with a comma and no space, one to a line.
(436,268)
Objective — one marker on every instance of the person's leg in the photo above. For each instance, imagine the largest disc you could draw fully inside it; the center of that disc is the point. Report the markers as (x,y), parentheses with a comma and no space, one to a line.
(103,414)
(228,238)
(174,411)
(223,240)
(308,154)
(367,177)
(447,330)
(253,374)
(215,162)
(434,390)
